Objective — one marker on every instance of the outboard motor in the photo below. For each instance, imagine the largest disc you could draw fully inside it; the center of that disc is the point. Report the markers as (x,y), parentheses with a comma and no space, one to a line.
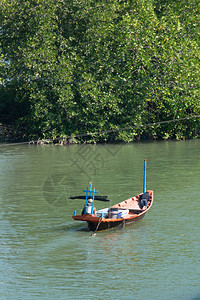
(144,199)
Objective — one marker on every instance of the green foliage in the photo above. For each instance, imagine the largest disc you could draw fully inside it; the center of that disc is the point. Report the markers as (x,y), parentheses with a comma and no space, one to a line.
(80,67)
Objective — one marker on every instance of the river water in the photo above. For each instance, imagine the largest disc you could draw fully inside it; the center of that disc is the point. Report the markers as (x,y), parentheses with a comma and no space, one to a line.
(45,254)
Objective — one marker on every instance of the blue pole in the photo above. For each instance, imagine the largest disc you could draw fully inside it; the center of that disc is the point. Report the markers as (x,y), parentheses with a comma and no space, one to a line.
(144,178)
(93,200)
(90,188)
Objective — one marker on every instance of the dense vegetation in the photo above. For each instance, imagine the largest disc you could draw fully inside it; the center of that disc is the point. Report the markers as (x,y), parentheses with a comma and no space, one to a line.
(80,66)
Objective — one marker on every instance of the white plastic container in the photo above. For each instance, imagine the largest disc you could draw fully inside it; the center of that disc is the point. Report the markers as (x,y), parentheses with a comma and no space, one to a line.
(119,213)
(88,209)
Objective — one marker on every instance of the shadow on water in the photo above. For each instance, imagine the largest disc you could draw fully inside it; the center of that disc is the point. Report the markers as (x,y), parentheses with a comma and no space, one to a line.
(68,228)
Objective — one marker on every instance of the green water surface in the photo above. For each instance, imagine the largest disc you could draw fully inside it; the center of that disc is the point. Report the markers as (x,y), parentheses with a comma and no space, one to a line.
(45,254)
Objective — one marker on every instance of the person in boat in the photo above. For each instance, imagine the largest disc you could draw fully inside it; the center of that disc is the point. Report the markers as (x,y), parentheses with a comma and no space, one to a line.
(144,199)
(89,203)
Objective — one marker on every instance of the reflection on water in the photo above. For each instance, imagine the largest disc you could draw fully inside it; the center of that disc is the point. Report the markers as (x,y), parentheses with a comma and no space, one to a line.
(45,254)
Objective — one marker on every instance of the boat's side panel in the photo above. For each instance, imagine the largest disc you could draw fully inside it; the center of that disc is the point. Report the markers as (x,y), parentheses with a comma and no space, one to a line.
(108,225)
(103,225)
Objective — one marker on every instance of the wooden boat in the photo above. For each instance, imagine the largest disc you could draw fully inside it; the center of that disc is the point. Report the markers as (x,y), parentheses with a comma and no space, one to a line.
(130,210)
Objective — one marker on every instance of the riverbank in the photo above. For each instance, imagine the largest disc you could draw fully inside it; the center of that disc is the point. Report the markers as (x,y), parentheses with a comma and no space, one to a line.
(5,133)
(11,134)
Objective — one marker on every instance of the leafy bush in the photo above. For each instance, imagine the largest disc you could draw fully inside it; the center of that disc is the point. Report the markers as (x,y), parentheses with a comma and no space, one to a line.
(76,67)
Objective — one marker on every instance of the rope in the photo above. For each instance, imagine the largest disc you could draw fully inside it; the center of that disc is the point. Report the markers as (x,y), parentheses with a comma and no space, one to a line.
(94,232)
(136,126)
(13,144)
(121,225)
(108,131)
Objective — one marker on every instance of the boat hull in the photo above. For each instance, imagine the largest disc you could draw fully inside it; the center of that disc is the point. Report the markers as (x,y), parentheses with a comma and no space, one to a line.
(132,205)
(92,226)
